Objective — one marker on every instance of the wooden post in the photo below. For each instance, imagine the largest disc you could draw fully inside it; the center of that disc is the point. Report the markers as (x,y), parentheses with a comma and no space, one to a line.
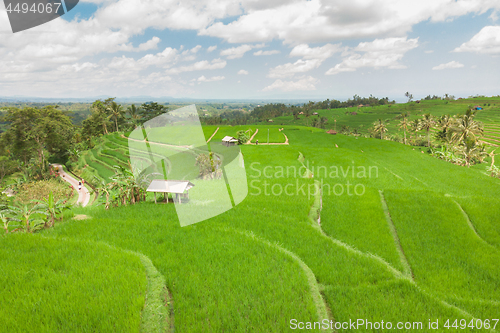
(155,197)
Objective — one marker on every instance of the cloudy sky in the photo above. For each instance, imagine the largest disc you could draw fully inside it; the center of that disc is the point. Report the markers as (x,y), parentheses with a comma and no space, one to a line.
(257,49)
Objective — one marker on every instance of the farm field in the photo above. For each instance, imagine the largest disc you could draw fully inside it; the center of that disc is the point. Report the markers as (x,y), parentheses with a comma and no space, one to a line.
(394,235)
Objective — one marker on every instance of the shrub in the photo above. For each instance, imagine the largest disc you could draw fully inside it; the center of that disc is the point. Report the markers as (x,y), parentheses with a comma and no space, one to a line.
(39,190)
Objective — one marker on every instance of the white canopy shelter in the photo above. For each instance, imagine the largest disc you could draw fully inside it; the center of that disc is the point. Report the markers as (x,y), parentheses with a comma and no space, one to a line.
(178,187)
(229,141)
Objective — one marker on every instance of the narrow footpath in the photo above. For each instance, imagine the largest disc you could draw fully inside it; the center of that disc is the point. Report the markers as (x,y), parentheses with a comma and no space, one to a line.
(83,195)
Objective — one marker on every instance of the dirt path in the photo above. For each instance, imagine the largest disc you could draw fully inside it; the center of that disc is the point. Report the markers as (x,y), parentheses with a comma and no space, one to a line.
(83,195)
(276,143)
(249,142)
(212,135)
(159,144)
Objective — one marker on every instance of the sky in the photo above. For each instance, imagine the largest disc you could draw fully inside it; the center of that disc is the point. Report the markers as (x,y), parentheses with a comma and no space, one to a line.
(257,49)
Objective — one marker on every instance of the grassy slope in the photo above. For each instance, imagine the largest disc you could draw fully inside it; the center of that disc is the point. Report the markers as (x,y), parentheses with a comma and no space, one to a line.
(272,286)
(51,285)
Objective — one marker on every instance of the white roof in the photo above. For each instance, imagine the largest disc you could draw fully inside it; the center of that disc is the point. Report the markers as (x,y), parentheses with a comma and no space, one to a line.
(229,139)
(170,186)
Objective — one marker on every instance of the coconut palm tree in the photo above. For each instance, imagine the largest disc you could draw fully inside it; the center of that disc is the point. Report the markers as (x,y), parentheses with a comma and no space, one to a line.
(116,111)
(465,127)
(134,115)
(471,151)
(380,127)
(415,127)
(426,123)
(444,123)
(404,124)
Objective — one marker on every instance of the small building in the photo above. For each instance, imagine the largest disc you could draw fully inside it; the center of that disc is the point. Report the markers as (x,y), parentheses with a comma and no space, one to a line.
(229,141)
(360,105)
(332,132)
(270,120)
(301,112)
(315,113)
(178,187)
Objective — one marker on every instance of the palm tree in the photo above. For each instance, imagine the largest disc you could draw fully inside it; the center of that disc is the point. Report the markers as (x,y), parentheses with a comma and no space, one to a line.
(380,127)
(465,128)
(426,123)
(134,114)
(444,122)
(404,124)
(116,111)
(415,127)
(471,151)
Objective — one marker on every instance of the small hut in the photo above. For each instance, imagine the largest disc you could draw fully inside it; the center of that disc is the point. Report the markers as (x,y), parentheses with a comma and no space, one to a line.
(332,132)
(229,141)
(315,113)
(178,187)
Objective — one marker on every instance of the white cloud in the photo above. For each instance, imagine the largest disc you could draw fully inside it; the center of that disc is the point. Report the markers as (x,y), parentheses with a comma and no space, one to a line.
(242,72)
(213,78)
(312,57)
(305,83)
(449,65)
(290,69)
(429,51)
(149,45)
(212,48)
(377,54)
(198,66)
(323,52)
(239,51)
(264,53)
(486,41)
(296,22)
(195,49)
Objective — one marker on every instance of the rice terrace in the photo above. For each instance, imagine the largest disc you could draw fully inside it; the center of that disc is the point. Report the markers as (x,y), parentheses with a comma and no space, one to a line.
(364,216)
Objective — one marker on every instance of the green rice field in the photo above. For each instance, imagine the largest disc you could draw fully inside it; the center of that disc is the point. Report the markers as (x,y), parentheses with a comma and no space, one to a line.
(333,229)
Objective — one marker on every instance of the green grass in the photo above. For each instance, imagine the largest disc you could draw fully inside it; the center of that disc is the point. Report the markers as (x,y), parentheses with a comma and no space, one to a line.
(274,134)
(443,251)
(56,285)
(265,261)
(239,284)
(360,222)
(484,214)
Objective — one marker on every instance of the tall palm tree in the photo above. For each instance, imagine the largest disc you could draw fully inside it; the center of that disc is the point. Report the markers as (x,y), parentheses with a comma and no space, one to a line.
(404,124)
(471,151)
(426,123)
(415,127)
(465,128)
(380,127)
(444,123)
(134,114)
(116,111)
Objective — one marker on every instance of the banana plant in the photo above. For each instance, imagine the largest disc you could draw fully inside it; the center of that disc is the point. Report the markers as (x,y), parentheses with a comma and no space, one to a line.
(29,218)
(6,219)
(52,208)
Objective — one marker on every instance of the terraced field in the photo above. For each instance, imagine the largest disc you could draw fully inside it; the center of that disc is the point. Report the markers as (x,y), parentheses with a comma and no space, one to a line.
(333,227)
